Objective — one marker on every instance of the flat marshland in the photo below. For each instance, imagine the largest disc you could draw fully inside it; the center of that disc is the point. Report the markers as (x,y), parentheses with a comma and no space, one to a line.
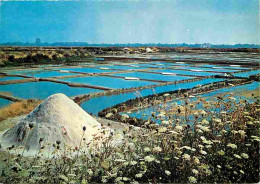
(167,116)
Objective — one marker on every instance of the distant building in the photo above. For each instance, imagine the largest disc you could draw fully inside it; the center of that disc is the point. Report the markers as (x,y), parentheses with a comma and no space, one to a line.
(148,50)
(38,41)
(206,45)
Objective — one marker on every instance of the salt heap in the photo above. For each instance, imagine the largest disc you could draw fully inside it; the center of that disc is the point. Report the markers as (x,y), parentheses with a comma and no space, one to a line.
(58,118)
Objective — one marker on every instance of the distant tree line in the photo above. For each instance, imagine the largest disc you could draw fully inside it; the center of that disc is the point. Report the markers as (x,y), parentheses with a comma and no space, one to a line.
(29,59)
(82,44)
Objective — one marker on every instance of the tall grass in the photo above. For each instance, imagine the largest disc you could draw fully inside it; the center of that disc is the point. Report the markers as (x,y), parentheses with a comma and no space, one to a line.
(18,108)
(211,146)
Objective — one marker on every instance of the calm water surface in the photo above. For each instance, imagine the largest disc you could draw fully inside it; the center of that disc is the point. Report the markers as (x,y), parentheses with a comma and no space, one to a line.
(41,90)
(110,82)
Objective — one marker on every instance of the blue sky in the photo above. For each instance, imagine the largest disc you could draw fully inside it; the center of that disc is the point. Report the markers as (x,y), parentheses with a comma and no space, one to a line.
(131,21)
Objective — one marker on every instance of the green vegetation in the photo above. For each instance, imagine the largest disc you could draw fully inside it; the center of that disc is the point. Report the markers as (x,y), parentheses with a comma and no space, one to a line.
(219,143)
(35,56)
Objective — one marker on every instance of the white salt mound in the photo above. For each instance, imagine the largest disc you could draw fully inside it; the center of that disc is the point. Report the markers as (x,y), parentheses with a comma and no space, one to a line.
(58,118)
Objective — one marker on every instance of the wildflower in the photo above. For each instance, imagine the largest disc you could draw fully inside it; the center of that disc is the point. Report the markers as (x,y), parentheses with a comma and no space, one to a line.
(63,178)
(205,128)
(208,172)
(234,132)
(104,179)
(241,171)
(223,113)
(223,131)
(105,165)
(207,142)
(221,152)
(233,146)
(179,128)
(118,179)
(157,149)
(90,172)
(218,166)
(245,156)
(167,172)
(194,171)
(186,147)
(149,158)
(202,138)
(200,146)
(192,179)
(160,115)
(203,113)
(203,152)
(165,122)
(200,131)
(249,118)
(109,115)
(139,175)
(205,122)
(255,138)
(217,120)
(237,156)
(186,157)
(125,179)
(147,149)
(228,166)
(196,114)
(179,152)
(216,141)
(133,163)
(131,145)
(120,160)
(208,146)
(162,129)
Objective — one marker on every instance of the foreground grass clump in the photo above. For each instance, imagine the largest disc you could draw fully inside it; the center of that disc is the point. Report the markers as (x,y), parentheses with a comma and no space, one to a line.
(18,108)
(219,145)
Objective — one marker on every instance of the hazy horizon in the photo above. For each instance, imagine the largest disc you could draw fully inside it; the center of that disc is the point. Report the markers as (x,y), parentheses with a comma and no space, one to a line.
(131,21)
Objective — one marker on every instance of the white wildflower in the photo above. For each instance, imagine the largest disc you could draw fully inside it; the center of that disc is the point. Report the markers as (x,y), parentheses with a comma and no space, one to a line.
(237,156)
(149,158)
(178,128)
(196,160)
(139,175)
(202,138)
(165,122)
(157,149)
(162,129)
(244,155)
(147,149)
(192,179)
(186,157)
(203,152)
(133,163)
(167,172)
(233,146)
(194,171)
